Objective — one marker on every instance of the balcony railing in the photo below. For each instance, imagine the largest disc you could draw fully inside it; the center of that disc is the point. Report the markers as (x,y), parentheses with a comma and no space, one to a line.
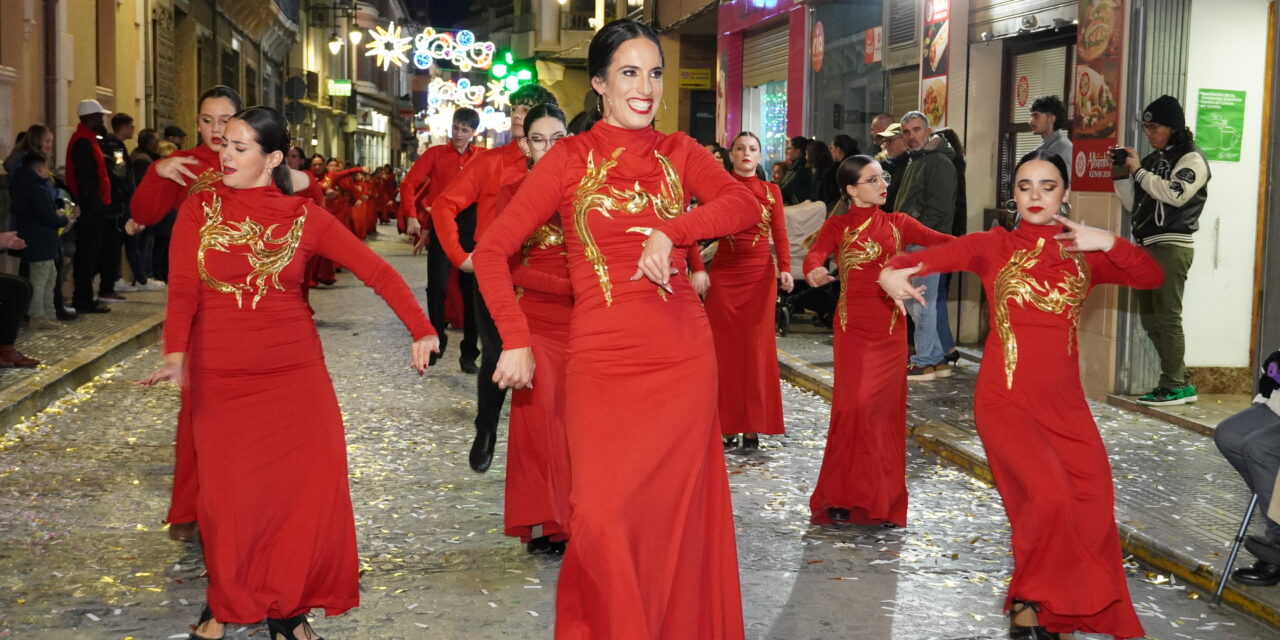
(576,20)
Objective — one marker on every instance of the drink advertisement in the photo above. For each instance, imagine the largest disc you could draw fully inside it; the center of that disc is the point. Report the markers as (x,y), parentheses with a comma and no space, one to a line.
(933,61)
(1095,93)
(1220,124)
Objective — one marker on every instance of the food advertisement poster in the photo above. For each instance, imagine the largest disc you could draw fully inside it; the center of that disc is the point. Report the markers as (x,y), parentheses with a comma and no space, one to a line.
(1095,92)
(1220,123)
(933,61)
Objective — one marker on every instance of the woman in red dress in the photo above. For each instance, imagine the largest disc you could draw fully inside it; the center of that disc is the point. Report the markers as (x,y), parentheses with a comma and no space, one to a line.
(653,553)
(1046,455)
(163,189)
(536,507)
(339,191)
(864,466)
(740,306)
(275,508)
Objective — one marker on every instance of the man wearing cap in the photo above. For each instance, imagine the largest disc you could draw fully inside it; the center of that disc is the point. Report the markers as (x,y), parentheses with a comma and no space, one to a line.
(893,158)
(175,135)
(880,124)
(1166,192)
(90,185)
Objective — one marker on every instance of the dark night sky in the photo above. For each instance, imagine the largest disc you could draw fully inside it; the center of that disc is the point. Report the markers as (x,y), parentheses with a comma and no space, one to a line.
(445,13)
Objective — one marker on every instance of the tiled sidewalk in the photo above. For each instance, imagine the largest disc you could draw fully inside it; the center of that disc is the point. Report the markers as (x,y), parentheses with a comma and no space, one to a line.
(1178,502)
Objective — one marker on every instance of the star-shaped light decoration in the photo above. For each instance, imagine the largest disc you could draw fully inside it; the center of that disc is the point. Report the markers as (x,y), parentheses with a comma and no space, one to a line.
(388,45)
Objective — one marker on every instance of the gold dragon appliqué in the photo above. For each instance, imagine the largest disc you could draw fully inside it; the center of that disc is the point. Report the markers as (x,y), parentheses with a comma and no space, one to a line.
(1014,283)
(266,261)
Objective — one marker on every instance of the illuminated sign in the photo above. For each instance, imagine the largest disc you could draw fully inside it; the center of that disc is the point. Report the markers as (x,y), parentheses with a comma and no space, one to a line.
(339,88)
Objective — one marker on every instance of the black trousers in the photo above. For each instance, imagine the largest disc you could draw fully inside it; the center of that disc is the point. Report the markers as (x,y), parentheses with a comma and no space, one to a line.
(109,256)
(438,268)
(489,397)
(90,229)
(15,297)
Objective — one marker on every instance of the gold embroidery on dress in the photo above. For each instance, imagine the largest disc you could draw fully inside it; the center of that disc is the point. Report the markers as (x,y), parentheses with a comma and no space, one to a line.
(1013,283)
(853,255)
(588,197)
(897,248)
(204,182)
(766,216)
(544,237)
(267,263)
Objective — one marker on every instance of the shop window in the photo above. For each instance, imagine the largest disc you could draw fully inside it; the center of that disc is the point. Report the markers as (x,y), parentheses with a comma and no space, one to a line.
(764,113)
(105,27)
(1032,69)
(231,68)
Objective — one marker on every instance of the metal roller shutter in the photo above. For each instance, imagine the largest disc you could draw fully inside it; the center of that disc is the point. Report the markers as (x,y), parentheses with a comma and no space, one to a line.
(904,90)
(764,57)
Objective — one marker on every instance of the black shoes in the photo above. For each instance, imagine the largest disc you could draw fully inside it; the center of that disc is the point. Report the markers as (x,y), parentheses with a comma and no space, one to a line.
(182,531)
(96,308)
(838,515)
(64,315)
(468,366)
(1264,547)
(482,450)
(541,545)
(205,616)
(284,628)
(1019,632)
(1261,574)
(750,444)
(729,442)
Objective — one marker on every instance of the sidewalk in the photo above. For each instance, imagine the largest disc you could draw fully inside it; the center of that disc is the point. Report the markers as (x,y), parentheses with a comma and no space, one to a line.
(1178,502)
(73,355)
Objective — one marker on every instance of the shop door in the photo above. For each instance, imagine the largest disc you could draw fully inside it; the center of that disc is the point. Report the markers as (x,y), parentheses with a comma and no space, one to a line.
(1031,69)
(764,93)
(702,116)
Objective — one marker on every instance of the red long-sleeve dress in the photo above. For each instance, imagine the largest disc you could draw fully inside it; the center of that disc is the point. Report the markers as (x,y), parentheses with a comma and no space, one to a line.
(538,481)
(740,306)
(864,465)
(653,553)
(343,186)
(155,197)
(274,508)
(1045,452)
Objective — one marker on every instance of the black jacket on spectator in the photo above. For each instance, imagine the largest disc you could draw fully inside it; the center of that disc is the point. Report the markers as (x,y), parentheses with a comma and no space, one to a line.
(120,171)
(797,184)
(35,214)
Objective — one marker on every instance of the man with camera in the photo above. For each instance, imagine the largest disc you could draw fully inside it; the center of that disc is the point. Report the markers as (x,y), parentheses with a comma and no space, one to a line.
(1165,193)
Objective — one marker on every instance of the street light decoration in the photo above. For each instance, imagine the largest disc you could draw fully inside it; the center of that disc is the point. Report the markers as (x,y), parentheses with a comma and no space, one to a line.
(462,50)
(388,45)
(511,73)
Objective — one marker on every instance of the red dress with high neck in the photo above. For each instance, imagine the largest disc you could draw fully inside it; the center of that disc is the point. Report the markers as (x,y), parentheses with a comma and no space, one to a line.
(741,308)
(154,199)
(1046,455)
(653,553)
(538,482)
(274,509)
(343,186)
(864,465)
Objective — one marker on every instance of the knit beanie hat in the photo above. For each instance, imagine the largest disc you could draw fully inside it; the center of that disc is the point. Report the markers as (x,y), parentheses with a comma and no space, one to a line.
(1166,111)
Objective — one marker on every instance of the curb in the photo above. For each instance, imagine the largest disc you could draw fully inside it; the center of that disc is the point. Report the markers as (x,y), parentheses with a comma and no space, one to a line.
(31,396)
(954,446)
(1128,404)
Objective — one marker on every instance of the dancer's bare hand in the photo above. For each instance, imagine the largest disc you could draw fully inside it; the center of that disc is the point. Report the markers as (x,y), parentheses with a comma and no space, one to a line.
(655,261)
(171,370)
(787,281)
(467,266)
(1082,237)
(701,282)
(515,369)
(818,277)
(897,283)
(175,169)
(422,350)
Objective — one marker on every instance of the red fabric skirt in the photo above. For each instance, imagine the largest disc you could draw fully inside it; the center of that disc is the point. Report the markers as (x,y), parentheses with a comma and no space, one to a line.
(537,483)
(864,465)
(741,307)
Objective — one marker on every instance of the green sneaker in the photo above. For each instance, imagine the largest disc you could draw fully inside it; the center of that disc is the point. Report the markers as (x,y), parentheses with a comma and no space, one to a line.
(1162,397)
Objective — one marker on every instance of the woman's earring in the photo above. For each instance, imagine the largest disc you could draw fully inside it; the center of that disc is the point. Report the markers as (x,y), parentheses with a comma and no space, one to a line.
(1065,210)
(1011,205)
(664,111)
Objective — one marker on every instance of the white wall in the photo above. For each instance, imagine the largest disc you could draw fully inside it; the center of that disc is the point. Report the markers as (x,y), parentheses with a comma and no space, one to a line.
(1228,51)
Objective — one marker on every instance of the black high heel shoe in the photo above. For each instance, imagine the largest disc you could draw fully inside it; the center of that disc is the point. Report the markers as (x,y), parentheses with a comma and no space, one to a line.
(1019,632)
(205,616)
(750,444)
(284,628)
(729,442)
(838,515)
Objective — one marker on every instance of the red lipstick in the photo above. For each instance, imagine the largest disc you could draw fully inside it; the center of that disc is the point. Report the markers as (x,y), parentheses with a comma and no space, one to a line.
(1035,209)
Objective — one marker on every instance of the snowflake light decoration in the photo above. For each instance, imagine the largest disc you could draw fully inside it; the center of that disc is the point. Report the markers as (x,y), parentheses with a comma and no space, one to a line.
(388,45)
(462,50)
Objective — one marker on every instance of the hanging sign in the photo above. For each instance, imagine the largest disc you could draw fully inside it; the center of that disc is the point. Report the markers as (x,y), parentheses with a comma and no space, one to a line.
(1095,93)
(339,88)
(934,61)
(818,47)
(873,39)
(1220,124)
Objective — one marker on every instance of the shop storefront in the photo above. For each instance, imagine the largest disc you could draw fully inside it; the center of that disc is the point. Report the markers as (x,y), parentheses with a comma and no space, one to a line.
(846,68)
(761,70)
(371,138)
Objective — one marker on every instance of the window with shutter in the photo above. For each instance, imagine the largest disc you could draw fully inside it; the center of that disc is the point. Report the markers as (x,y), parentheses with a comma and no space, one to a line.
(902,22)
(764,56)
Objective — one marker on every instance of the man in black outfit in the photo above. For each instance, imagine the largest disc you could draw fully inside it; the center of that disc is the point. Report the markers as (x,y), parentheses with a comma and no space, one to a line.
(91,187)
(120,173)
(797,182)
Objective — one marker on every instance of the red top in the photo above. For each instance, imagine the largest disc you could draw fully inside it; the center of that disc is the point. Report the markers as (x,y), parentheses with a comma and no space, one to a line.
(313,190)
(541,264)
(772,222)
(157,196)
(244,251)
(610,185)
(434,169)
(479,183)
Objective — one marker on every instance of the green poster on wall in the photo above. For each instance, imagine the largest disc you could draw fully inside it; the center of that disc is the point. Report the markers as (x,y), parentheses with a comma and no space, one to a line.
(1220,124)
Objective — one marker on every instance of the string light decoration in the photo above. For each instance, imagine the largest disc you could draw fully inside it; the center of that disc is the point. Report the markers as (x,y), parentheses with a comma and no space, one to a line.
(462,50)
(774,116)
(446,96)
(388,45)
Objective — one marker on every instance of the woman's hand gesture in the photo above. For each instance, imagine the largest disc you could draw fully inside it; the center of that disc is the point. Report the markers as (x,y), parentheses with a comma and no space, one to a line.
(175,169)
(818,277)
(171,370)
(1082,237)
(655,261)
(515,369)
(787,281)
(422,350)
(701,282)
(897,283)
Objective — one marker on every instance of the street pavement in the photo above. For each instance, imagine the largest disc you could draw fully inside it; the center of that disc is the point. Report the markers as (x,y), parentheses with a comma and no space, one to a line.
(85,485)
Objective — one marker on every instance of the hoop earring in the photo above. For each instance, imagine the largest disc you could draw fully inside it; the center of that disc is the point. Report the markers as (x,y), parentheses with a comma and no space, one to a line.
(657,117)
(600,105)
(1011,206)
(1065,210)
